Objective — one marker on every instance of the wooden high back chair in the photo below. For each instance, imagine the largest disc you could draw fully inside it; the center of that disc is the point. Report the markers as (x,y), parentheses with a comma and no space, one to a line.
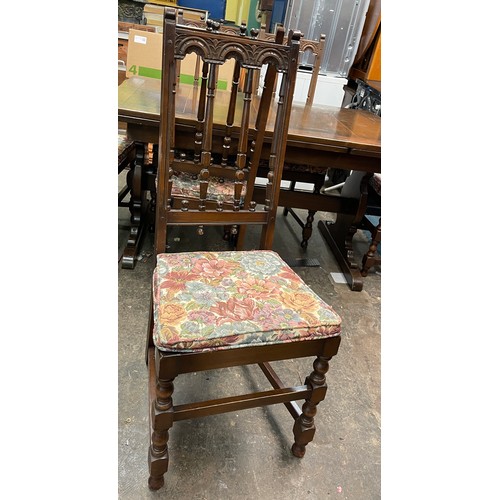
(298,172)
(214,310)
(206,175)
(314,47)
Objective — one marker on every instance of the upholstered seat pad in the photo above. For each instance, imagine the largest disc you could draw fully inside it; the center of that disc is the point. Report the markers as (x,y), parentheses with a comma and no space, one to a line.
(185,186)
(124,146)
(220,300)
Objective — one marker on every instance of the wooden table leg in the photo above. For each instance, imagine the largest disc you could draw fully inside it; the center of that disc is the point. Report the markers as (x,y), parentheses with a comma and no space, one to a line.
(137,209)
(341,244)
(339,234)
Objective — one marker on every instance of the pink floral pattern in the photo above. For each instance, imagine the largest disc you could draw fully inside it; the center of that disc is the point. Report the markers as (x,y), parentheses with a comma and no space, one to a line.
(221,300)
(218,189)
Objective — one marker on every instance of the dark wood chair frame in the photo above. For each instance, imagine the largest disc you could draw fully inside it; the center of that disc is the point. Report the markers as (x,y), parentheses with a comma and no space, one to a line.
(164,367)
(314,47)
(290,172)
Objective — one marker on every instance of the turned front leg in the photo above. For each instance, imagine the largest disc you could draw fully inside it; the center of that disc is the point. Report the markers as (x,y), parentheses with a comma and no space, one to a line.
(304,427)
(162,418)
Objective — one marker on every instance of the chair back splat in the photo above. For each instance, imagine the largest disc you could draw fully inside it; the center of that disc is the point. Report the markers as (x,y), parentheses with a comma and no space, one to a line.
(215,310)
(206,175)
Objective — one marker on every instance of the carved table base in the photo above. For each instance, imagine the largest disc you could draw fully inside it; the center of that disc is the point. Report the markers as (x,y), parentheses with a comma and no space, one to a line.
(341,244)
(137,208)
(339,234)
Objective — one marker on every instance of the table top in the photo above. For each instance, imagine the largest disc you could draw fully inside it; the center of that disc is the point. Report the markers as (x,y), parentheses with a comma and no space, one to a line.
(316,127)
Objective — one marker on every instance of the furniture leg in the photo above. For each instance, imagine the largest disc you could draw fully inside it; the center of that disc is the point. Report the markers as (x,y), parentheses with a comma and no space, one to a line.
(340,240)
(137,206)
(291,188)
(307,229)
(162,419)
(339,234)
(304,428)
(307,226)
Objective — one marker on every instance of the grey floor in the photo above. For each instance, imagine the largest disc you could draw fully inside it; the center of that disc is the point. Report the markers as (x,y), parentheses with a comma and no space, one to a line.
(246,455)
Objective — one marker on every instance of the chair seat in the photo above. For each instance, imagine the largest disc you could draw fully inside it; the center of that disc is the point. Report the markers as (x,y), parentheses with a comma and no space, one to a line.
(124,146)
(219,189)
(223,300)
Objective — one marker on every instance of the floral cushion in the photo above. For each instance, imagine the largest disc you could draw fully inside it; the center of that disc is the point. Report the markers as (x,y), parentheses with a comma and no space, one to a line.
(185,186)
(124,146)
(223,300)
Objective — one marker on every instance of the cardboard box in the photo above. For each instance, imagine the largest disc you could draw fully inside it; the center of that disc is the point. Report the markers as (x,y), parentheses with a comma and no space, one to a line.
(144,54)
(144,60)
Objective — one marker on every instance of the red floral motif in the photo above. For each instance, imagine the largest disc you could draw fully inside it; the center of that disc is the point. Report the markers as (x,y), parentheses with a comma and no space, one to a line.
(213,268)
(258,288)
(323,330)
(176,281)
(288,274)
(234,310)
(286,335)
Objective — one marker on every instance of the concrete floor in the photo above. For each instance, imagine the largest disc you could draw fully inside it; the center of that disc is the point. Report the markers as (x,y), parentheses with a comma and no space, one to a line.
(246,455)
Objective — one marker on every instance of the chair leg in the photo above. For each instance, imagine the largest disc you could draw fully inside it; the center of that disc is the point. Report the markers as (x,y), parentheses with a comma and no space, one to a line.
(304,428)
(308,228)
(162,419)
(291,188)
